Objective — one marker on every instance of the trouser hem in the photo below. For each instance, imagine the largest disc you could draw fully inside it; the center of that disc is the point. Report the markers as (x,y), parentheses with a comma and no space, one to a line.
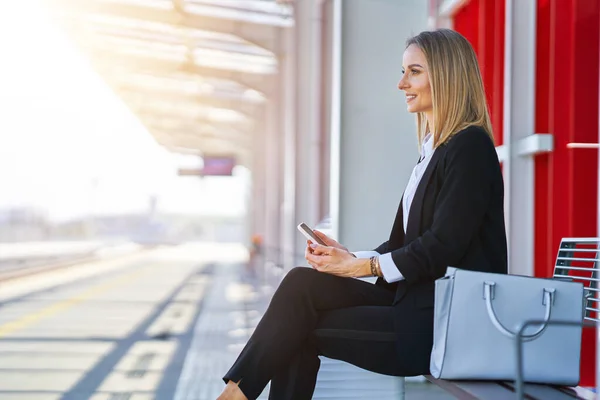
(245,386)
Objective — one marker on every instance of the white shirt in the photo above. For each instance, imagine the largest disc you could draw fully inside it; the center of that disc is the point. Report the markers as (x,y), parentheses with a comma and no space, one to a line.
(390,272)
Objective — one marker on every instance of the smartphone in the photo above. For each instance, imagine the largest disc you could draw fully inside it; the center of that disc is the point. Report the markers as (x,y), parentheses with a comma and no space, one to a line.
(309,234)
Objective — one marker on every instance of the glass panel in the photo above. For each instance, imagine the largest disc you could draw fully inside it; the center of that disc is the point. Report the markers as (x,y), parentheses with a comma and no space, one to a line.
(128,26)
(142,104)
(177,124)
(254,95)
(195,37)
(260,12)
(211,49)
(264,6)
(225,115)
(145,104)
(162,4)
(161,83)
(142,48)
(185,85)
(235,61)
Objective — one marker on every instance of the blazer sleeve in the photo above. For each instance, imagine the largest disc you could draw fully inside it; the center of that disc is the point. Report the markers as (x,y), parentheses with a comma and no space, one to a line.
(469,170)
(382,248)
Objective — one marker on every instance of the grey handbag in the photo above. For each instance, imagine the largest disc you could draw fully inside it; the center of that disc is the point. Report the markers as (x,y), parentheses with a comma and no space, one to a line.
(477,315)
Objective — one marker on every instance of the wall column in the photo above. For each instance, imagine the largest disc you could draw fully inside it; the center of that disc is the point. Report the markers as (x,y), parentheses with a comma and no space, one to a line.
(274,168)
(287,181)
(307,42)
(258,188)
(373,147)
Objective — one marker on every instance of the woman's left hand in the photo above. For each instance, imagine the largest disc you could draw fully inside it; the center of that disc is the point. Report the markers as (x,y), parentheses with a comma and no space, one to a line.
(335,261)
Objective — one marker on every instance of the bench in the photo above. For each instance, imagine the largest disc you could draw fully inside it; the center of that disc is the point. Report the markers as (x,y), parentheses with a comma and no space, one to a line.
(577,259)
(473,390)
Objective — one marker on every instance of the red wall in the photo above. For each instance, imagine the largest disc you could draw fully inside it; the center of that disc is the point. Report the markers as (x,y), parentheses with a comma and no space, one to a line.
(567,82)
(488,41)
(567,106)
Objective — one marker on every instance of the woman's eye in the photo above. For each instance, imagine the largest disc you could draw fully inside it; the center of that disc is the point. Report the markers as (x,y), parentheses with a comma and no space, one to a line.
(414,71)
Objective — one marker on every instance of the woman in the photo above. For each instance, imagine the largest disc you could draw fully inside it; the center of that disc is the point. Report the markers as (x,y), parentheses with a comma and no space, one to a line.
(451,214)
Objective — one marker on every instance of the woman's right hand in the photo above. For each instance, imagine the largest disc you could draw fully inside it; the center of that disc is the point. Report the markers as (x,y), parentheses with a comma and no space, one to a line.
(329,241)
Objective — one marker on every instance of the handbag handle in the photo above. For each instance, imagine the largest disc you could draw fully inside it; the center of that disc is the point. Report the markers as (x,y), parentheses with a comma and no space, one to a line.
(547,300)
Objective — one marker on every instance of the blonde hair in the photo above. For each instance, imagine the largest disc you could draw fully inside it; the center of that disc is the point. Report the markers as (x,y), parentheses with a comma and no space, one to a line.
(457,91)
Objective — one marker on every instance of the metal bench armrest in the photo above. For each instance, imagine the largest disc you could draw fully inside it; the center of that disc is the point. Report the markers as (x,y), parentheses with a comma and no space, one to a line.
(519,379)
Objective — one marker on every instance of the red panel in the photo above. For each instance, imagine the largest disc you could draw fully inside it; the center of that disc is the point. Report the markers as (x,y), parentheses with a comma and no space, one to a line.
(561,119)
(585,129)
(567,81)
(486,49)
(497,113)
(466,21)
(569,177)
(482,23)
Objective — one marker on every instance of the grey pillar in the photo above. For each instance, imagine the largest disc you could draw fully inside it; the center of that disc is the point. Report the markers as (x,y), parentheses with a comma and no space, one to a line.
(307,45)
(272,239)
(258,185)
(374,145)
(288,150)
(519,122)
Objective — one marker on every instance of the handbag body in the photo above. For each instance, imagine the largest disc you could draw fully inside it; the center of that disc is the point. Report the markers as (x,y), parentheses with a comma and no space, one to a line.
(477,316)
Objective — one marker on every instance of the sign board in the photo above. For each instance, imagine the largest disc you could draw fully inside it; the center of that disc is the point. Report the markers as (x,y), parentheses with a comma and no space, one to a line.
(213,166)
(218,165)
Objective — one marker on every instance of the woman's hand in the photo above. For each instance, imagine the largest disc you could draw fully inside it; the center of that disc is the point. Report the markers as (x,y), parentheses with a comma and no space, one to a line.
(329,241)
(336,261)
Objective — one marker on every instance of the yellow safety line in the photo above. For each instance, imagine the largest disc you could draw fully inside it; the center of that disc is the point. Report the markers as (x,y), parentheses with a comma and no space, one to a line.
(54,309)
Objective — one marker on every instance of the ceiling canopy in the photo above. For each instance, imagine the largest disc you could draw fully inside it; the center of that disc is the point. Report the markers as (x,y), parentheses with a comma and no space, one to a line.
(196,72)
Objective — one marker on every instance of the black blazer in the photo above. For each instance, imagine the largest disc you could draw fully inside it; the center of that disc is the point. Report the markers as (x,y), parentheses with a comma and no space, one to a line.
(456,219)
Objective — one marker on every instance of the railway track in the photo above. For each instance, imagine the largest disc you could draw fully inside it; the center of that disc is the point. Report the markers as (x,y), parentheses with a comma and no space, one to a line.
(22,266)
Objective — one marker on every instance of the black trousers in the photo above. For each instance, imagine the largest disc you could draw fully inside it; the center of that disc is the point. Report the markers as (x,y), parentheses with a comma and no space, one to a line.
(312,314)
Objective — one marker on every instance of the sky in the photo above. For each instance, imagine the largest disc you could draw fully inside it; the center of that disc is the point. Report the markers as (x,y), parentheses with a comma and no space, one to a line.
(69,146)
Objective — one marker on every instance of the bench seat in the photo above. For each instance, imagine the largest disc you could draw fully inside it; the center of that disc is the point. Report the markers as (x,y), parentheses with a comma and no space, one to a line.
(500,390)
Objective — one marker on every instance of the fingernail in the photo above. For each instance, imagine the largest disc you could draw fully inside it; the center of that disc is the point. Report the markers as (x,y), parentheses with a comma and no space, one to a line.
(313,246)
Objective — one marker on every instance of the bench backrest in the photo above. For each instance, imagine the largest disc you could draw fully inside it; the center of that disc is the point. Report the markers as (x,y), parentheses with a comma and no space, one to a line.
(578,260)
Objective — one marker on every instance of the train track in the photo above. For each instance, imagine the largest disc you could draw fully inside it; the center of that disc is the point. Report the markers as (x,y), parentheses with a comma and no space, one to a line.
(21,267)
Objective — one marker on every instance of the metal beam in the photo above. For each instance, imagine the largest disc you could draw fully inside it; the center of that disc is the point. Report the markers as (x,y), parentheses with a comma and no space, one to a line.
(223,97)
(204,144)
(261,35)
(170,121)
(233,141)
(181,134)
(278,15)
(105,59)
(242,156)
(134,97)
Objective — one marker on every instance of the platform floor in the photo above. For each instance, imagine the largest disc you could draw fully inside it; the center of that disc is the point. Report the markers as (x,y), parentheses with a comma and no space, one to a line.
(156,325)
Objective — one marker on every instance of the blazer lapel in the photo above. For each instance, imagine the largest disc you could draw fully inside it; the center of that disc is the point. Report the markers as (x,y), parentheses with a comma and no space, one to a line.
(414,214)
(397,235)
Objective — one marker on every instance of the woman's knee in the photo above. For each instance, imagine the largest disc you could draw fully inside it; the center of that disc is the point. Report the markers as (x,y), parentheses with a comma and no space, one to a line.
(297,279)
(300,275)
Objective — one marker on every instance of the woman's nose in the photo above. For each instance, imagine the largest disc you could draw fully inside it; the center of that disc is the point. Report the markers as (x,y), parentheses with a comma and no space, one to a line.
(402,84)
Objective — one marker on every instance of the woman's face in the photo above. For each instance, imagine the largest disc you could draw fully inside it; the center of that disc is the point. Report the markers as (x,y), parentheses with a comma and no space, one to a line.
(415,81)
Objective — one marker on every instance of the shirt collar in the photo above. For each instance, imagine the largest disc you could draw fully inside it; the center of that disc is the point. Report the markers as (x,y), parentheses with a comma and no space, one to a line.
(427,147)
